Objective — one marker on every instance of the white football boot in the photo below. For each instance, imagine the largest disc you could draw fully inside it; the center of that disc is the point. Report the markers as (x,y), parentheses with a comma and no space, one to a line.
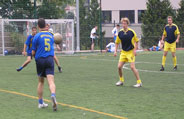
(44,105)
(119,83)
(137,85)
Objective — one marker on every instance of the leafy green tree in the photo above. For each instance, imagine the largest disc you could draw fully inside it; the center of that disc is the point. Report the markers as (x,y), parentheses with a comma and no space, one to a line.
(89,18)
(16,9)
(180,17)
(180,23)
(154,19)
(49,10)
(24,9)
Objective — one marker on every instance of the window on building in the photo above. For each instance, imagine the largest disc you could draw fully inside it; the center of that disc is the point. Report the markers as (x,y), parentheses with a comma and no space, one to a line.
(140,14)
(130,14)
(106,16)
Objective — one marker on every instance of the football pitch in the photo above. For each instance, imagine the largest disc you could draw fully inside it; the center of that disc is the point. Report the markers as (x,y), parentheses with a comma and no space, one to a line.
(86,89)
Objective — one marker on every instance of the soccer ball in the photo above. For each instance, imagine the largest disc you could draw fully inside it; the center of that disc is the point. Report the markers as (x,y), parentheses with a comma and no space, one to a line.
(57,38)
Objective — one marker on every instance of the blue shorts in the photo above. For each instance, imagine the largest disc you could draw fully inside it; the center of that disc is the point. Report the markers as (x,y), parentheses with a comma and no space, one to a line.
(45,66)
(29,54)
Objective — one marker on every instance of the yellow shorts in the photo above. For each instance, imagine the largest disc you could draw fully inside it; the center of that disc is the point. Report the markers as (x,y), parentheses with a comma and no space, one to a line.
(127,56)
(170,47)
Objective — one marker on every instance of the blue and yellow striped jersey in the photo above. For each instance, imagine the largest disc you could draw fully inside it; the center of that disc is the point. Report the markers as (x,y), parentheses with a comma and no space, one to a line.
(43,44)
(127,39)
(29,43)
(170,32)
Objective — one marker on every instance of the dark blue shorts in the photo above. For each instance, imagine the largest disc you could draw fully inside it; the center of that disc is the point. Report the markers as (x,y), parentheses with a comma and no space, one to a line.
(45,66)
(29,54)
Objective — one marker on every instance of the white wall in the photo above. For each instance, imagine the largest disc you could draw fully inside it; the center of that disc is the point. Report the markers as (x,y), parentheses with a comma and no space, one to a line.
(116,5)
(130,4)
(123,4)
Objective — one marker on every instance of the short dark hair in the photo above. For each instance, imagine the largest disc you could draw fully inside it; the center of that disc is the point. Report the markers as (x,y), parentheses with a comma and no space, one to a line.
(118,25)
(170,17)
(34,27)
(41,22)
(111,40)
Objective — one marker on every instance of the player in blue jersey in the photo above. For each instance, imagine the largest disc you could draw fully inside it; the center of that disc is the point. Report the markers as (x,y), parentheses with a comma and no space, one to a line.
(43,51)
(28,49)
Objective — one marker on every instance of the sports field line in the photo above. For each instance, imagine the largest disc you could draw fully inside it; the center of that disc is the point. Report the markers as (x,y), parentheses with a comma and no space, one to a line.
(62,104)
(142,70)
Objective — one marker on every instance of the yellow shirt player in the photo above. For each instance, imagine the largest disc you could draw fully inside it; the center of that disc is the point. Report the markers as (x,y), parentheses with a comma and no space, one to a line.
(171,35)
(127,37)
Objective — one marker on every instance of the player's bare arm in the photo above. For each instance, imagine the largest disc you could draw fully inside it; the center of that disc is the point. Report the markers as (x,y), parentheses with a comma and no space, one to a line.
(136,47)
(178,37)
(116,48)
(24,50)
(33,53)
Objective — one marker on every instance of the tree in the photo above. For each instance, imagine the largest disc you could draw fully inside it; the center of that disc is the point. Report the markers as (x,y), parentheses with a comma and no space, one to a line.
(180,18)
(154,19)
(24,9)
(89,17)
(16,9)
(49,9)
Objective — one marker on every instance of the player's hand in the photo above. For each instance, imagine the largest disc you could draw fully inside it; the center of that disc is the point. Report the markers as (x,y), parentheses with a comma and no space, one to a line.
(24,53)
(135,53)
(177,41)
(58,48)
(162,41)
(115,54)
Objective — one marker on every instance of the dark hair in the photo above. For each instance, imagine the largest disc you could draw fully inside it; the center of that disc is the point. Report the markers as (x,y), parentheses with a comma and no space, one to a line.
(111,40)
(41,22)
(118,25)
(34,27)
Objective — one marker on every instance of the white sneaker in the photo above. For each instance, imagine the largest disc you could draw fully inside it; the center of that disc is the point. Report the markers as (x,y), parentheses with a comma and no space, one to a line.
(138,85)
(42,105)
(119,83)
(54,103)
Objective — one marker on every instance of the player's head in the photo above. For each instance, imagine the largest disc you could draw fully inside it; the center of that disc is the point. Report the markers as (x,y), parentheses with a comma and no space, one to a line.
(34,30)
(41,23)
(111,40)
(125,22)
(169,20)
(117,26)
(47,27)
(96,27)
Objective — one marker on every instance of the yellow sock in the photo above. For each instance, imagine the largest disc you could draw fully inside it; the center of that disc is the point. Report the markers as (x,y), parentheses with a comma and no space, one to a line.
(163,61)
(121,79)
(174,61)
(139,81)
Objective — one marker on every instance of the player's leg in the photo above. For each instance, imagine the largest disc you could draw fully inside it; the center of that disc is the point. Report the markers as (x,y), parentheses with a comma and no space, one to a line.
(173,50)
(40,87)
(174,60)
(50,78)
(25,63)
(166,49)
(120,71)
(92,44)
(57,63)
(52,87)
(136,73)
(163,60)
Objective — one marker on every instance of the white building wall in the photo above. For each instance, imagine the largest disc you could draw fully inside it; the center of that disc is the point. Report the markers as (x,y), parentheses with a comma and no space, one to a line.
(116,5)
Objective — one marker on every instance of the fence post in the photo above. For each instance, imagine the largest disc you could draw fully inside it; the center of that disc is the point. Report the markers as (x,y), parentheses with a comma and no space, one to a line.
(2,28)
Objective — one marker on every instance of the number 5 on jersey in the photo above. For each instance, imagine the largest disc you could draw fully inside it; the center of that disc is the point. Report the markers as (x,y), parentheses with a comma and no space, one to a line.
(47,44)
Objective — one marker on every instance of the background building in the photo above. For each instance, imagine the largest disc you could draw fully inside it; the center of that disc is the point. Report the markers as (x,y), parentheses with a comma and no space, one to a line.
(114,10)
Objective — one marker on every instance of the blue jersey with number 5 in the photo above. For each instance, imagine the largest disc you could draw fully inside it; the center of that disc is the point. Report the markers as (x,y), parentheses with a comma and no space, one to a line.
(43,44)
